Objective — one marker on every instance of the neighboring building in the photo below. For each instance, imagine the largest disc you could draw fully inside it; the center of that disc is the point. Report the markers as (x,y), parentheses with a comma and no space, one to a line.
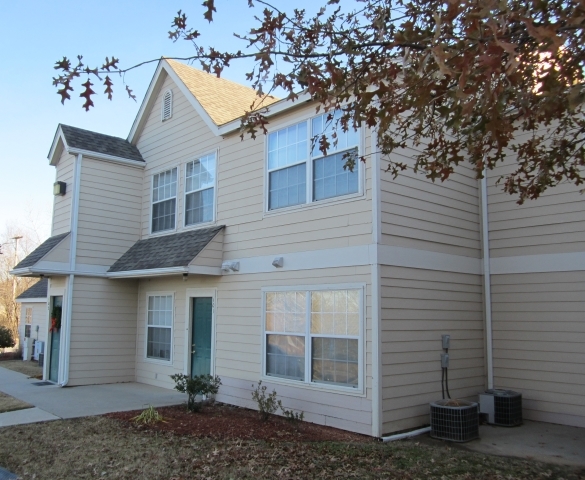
(33,312)
(185,249)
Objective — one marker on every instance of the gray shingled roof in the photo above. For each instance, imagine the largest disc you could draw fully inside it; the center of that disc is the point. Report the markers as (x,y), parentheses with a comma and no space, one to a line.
(100,143)
(176,250)
(38,290)
(41,251)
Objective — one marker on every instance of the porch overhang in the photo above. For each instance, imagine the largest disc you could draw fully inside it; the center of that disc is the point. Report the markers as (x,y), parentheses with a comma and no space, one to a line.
(50,256)
(197,252)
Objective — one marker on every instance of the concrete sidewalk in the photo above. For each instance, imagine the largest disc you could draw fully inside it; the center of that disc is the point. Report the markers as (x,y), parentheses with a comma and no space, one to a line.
(53,402)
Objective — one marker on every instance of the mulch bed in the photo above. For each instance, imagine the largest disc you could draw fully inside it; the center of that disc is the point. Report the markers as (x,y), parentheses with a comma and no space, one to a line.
(227,422)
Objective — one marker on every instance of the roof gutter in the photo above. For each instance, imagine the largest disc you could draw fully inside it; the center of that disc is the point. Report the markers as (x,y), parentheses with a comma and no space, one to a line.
(106,157)
(155,272)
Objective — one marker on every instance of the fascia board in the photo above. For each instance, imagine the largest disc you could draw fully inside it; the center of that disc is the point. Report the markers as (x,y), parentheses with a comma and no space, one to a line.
(154,272)
(272,110)
(31,300)
(21,272)
(58,137)
(147,101)
(107,158)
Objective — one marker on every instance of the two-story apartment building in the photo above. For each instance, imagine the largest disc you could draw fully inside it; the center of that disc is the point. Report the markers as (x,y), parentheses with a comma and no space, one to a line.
(185,249)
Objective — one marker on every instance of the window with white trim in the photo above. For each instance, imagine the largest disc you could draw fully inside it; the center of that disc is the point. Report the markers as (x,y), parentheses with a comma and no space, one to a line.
(292,163)
(200,190)
(28,313)
(164,200)
(167,106)
(314,336)
(159,327)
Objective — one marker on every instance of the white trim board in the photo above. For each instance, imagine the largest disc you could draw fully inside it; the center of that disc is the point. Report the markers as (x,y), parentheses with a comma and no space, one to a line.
(31,300)
(552,262)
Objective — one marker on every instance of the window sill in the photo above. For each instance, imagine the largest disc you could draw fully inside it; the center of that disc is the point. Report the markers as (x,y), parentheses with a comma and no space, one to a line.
(196,226)
(315,387)
(316,204)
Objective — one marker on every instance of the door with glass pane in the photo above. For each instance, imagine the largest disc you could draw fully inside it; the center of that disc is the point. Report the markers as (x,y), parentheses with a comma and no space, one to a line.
(202,308)
(55,337)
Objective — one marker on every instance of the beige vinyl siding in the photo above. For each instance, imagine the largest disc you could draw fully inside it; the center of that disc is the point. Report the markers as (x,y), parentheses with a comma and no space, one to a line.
(103,331)
(109,211)
(240,191)
(40,316)
(539,343)
(212,254)
(418,306)
(554,223)
(238,342)
(440,217)
(62,204)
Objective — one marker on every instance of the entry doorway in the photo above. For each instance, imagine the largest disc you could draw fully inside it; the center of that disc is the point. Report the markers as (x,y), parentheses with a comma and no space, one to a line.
(201,333)
(56,308)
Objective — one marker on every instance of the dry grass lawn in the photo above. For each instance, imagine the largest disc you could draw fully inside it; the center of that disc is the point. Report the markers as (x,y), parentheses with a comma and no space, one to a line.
(100,447)
(9,404)
(30,368)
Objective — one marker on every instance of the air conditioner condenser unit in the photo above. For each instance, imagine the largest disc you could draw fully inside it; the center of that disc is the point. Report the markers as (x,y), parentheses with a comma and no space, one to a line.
(502,407)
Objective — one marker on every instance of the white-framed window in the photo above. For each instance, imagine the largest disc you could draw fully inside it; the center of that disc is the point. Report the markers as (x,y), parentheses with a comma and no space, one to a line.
(299,174)
(159,327)
(167,106)
(314,336)
(28,313)
(200,190)
(164,200)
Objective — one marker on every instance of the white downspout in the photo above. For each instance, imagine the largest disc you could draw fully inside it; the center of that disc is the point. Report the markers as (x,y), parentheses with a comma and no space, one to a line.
(376,293)
(487,281)
(400,436)
(64,360)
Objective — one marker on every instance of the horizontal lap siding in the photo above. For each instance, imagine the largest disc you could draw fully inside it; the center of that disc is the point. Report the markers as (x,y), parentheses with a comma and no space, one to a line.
(238,348)
(109,211)
(103,331)
(40,315)
(418,306)
(62,204)
(539,343)
(241,190)
(554,223)
(417,213)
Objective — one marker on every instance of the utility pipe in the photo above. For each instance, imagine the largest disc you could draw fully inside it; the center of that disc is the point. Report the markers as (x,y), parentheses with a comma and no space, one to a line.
(487,280)
(400,436)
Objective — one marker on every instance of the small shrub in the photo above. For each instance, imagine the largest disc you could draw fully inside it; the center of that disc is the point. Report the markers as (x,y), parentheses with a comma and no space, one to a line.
(148,416)
(198,385)
(268,404)
(291,416)
(6,338)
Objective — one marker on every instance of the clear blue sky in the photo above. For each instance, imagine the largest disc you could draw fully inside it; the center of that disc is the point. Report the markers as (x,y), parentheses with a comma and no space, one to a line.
(36,33)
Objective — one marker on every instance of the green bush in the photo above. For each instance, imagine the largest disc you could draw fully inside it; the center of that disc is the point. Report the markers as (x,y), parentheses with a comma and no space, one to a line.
(198,385)
(6,338)
(268,404)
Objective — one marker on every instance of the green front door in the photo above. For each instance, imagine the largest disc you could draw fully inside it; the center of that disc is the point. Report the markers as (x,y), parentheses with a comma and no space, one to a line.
(55,337)
(201,336)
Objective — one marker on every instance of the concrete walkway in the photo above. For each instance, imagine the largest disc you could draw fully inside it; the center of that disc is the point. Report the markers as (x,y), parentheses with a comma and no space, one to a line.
(52,402)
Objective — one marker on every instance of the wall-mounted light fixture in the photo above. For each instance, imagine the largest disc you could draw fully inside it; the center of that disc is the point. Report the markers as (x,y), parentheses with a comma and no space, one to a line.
(233,266)
(278,262)
(59,188)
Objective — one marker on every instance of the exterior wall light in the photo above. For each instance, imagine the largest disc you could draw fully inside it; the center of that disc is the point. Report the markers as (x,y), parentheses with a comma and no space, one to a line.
(278,262)
(59,188)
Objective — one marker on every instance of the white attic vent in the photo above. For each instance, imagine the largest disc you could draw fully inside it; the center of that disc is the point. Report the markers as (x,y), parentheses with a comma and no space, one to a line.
(167,105)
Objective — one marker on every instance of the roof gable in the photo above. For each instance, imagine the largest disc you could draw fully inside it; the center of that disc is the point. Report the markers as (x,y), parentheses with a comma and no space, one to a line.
(176,250)
(41,251)
(218,101)
(78,140)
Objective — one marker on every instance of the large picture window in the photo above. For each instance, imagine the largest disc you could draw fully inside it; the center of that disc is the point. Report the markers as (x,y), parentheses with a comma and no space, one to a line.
(159,327)
(314,336)
(291,161)
(200,190)
(164,200)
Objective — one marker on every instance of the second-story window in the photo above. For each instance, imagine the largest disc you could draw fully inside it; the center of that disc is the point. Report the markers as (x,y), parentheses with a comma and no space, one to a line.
(292,163)
(200,190)
(164,200)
